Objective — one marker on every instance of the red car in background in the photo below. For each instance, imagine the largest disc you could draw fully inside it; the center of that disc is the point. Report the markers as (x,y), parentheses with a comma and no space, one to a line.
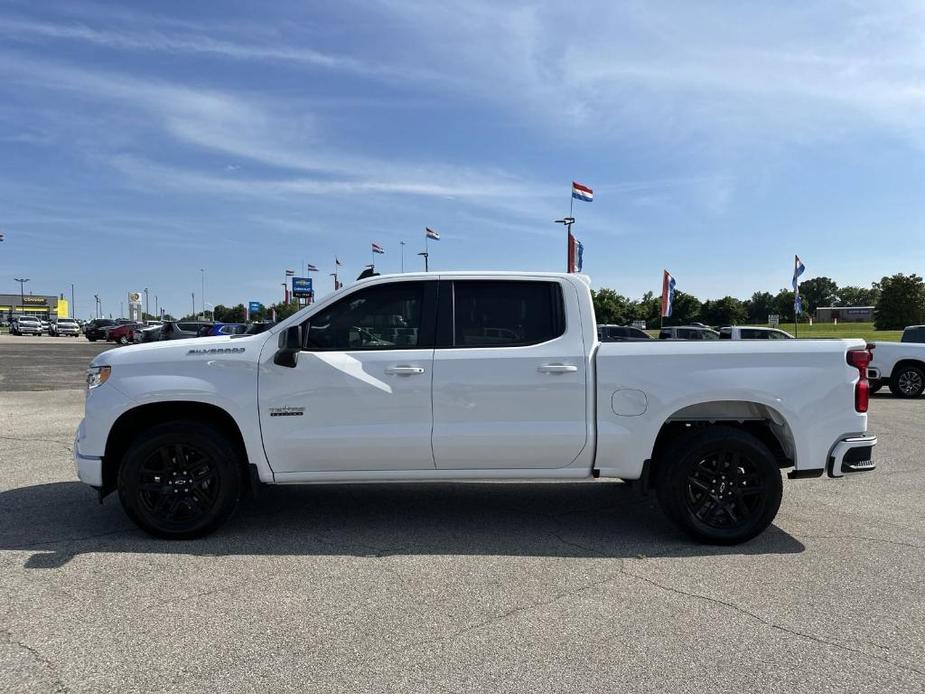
(123,334)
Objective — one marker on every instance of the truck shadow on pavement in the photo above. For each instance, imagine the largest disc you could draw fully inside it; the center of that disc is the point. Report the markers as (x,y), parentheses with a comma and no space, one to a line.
(583,520)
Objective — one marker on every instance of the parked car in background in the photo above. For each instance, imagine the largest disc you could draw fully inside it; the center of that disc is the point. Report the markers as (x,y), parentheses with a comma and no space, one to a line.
(900,365)
(735,332)
(64,327)
(228,329)
(46,326)
(174,330)
(687,332)
(259,327)
(621,333)
(123,333)
(25,325)
(96,329)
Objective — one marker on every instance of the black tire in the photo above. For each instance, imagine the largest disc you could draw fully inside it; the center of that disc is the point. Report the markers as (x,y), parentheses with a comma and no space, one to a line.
(719,485)
(875,385)
(180,480)
(92,339)
(907,381)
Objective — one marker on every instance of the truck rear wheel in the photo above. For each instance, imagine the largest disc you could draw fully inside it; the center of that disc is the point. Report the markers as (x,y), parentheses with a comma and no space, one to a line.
(180,480)
(720,485)
(907,381)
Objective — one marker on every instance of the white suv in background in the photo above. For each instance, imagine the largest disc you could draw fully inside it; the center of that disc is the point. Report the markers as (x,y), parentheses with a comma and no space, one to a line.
(64,327)
(750,333)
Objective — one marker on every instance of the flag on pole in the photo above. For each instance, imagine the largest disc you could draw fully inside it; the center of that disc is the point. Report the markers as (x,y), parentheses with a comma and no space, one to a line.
(583,193)
(1,237)
(378,249)
(311,268)
(290,273)
(431,234)
(337,262)
(575,254)
(798,269)
(667,294)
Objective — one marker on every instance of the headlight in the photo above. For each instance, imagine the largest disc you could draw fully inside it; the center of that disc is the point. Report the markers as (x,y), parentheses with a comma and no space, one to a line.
(97,376)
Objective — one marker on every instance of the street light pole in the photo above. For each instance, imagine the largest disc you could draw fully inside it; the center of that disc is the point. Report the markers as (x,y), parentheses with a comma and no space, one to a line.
(156,309)
(202,296)
(426,257)
(193,294)
(402,255)
(73,303)
(22,293)
(147,311)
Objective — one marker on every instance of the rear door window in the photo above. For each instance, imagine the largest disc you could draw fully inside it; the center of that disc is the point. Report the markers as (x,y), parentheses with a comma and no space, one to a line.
(506,313)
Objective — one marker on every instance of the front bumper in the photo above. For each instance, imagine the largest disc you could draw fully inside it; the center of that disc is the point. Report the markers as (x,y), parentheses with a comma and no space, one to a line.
(89,468)
(852,454)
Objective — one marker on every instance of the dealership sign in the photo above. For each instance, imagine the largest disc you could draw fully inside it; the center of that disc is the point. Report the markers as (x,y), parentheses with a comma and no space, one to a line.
(301,286)
(34,300)
(254,307)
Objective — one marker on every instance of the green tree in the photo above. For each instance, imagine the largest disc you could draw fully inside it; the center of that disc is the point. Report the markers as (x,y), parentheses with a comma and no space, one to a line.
(818,291)
(725,311)
(685,308)
(230,314)
(648,309)
(901,303)
(610,307)
(760,306)
(858,296)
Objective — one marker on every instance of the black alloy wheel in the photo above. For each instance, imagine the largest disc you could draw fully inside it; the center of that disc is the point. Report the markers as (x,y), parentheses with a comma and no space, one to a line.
(719,484)
(180,480)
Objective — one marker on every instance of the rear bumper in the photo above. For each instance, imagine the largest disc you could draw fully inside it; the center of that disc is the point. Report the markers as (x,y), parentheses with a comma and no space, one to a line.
(852,454)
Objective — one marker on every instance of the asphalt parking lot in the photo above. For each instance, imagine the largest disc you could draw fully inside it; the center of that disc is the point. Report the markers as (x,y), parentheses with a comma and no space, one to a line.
(456,588)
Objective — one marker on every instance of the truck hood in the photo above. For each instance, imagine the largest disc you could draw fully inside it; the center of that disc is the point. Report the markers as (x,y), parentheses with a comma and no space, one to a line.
(169,350)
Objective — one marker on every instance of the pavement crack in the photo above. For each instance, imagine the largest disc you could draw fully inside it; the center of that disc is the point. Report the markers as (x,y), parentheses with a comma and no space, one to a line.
(865,539)
(770,624)
(58,685)
(496,619)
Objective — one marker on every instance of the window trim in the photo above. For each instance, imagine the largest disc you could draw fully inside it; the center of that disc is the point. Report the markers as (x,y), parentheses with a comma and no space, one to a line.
(427,331)
(558,306)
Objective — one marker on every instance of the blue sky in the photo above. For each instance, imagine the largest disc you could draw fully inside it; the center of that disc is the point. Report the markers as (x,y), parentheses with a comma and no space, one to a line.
(140,142)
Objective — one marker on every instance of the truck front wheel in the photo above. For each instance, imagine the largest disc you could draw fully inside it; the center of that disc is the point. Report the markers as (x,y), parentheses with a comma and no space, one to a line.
(180,480)
(720,485)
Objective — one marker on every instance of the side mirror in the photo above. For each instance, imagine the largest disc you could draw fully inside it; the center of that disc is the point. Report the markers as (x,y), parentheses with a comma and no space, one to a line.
(290,344)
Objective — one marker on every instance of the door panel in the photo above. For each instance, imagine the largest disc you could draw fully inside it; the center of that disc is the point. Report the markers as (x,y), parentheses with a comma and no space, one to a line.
(506,407)
(359,397)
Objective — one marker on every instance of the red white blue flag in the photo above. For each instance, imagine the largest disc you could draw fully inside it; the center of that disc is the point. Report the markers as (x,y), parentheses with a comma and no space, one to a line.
(667,294)
(431,234)
(311,268)
(378,249)
(290,273)
(583,193)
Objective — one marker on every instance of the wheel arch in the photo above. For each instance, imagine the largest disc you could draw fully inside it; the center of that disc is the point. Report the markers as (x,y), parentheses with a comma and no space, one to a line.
(764,422)
(138,419)
(907,361)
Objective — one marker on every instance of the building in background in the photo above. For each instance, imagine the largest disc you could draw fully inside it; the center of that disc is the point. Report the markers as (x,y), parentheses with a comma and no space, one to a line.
(844,314)
(45,306)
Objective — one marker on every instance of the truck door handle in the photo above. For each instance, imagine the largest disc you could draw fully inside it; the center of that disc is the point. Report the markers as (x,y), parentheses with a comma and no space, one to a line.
(404,370)
(558,369)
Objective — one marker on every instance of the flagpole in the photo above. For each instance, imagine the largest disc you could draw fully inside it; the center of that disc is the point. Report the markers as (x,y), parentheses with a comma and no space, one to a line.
(402,243)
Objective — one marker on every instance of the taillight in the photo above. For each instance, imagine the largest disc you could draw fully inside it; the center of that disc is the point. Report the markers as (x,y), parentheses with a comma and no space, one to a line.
(860,359)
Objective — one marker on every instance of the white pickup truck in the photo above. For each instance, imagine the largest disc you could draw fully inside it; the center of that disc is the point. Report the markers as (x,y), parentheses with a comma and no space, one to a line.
(900,365)
(469,376)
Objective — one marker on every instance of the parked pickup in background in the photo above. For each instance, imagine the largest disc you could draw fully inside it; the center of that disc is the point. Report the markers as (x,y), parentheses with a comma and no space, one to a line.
(900,365)
(469,376)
